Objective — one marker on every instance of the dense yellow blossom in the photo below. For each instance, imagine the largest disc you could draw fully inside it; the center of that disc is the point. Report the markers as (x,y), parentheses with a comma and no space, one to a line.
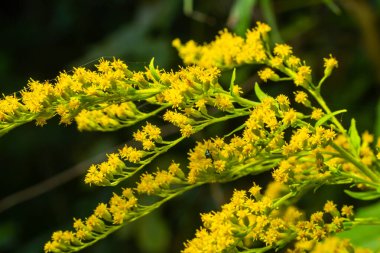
(302,148)
(227,49)
(247,220)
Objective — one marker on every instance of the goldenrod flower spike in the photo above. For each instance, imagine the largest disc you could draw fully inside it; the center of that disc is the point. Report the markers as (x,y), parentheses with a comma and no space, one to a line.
(303,146)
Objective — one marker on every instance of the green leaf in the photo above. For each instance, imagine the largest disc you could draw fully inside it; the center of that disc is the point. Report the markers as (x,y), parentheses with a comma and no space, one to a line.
(377,119)
(259,93)
(328,116)
(241,15)
(367,195)
(270,18)
(153,70)
(367,236)
(153,234)
(333,6)
(354,137)
(233,77)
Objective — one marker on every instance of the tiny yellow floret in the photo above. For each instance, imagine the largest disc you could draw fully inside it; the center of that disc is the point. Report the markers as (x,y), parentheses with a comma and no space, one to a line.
(282,50)
(329,64)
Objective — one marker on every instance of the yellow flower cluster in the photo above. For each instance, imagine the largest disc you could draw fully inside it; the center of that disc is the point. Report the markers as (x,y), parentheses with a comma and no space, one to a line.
(148,136)
(187,83)
(227,50)
(105,172)
(302,150)
(263,134)
(251,220)
(87,95)
(105,216)
(208,160)
(159,183)
(131,154)
(114,168)
(181,121)
(303,139)
(10,106)
(366,154)
(110,118)
(335,244)
(242,221)
(268,74)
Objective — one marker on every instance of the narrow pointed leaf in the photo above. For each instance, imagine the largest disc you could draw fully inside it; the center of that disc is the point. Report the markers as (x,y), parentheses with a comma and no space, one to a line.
(354,137)
(259,93)
(326,117)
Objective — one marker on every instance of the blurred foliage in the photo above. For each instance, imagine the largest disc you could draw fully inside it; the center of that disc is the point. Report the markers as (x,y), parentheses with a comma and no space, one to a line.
(365,236)
(41,38)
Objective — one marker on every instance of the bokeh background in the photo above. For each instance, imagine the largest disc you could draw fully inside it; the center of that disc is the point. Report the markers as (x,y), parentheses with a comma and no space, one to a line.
(42,169)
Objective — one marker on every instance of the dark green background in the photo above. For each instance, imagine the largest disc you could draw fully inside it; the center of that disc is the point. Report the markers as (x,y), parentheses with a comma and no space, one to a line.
(41,38)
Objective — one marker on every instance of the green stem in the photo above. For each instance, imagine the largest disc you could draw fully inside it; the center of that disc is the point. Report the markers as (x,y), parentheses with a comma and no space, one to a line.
(358,180)
(317,96)
(347,156)
(361,221)
(244,101)
(223,118)
(284,198)
(322,81)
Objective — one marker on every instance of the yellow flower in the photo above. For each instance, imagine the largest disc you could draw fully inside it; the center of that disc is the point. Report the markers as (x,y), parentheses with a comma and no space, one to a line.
(255,190)
(329,64)
(290,117)
(173,96)
(262,28)
(223,102)
(8,106)
(293,61)
(283,100)
(367,137)
(176,118)
(347,211)
(301,97)
(317,113)
(282,50)
(276,62)
(152,132)
(187,130)
(302,75)
(268,74)
(131,154)
(52,246)
(330,207)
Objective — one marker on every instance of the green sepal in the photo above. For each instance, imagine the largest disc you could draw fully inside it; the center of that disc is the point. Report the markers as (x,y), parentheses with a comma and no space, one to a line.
(259,93)
(153,71)
(367,195)
(354,137)
(327,117)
